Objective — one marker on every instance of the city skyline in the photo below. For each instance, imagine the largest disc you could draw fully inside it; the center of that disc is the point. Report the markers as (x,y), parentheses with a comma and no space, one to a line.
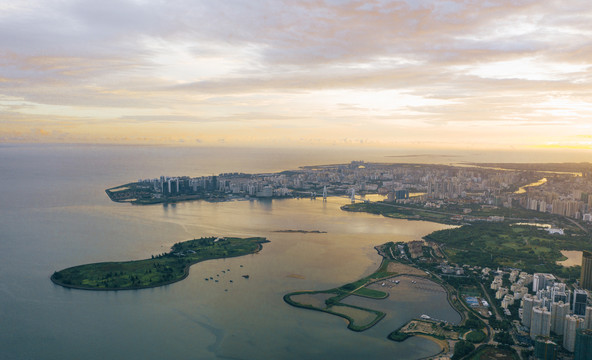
(391,74)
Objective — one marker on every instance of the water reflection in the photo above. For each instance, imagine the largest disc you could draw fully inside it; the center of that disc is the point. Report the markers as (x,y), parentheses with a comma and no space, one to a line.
(522,189)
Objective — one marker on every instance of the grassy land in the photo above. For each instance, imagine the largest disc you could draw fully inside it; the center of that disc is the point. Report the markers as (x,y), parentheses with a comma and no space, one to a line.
(160,270)
(409,212)
(495,244)
(445,214)
(475,336)
(370,293)
(503,244)
(492,353)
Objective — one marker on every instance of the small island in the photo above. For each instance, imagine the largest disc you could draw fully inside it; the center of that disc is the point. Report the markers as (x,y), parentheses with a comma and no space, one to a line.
(301,231)
(160,270)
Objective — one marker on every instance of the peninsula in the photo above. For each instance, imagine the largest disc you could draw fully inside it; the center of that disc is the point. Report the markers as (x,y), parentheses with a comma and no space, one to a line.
(160,270)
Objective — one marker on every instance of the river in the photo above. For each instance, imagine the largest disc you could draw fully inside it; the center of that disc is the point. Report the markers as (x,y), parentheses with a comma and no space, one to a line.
(54,213)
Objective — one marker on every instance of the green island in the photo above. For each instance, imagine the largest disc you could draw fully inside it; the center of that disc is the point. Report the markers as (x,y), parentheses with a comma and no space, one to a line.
(160,270)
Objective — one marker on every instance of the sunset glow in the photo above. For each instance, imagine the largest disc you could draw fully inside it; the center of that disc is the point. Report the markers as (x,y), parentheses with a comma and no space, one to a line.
(419,74)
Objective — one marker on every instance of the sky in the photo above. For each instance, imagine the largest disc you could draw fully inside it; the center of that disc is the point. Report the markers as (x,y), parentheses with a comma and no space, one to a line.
(487,74)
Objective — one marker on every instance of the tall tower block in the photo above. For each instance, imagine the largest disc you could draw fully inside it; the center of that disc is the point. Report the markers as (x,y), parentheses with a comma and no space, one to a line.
(586,275)
(528,303)
(583,344)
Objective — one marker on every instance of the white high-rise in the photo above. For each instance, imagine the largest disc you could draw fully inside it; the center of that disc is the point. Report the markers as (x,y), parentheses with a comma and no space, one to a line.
(527,305)
(541,280)
(572,323)
(588,318)
(540,324)
(558,312)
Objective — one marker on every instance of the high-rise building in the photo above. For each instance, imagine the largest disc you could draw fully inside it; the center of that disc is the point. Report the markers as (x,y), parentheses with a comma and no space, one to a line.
(588,318)
(541,280)
(545,349)
(580,299)
(558,312)
(586,274)
(558,293)
(540,324)
(572,323)
(583,345)
(402,194)
(527,305)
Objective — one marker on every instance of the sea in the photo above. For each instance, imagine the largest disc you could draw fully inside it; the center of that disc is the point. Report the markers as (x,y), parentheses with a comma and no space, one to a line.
(54,214)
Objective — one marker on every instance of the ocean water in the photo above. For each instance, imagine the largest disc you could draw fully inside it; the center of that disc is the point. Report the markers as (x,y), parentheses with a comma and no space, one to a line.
(54,213)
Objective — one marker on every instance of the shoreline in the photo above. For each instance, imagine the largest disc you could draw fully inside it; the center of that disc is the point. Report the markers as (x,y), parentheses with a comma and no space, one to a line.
(185,274)
(445,348)
(442,343)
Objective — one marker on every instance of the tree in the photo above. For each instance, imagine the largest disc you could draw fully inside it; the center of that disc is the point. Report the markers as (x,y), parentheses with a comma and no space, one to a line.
(504,337)
(461,349)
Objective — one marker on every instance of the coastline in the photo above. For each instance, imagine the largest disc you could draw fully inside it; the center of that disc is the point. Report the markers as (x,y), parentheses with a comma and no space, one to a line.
(184,275)
(442,343)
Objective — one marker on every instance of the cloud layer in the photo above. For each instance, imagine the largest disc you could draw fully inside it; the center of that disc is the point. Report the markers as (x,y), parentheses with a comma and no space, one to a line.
(494,73)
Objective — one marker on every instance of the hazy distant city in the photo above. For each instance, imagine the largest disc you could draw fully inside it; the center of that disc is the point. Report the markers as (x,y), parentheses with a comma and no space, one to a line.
(567,193)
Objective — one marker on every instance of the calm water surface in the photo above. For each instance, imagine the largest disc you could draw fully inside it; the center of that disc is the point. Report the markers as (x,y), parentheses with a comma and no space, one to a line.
(54,214)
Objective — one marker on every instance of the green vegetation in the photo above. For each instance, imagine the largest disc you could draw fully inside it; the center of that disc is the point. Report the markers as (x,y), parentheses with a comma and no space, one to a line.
(410,212)
(500,324)
(449,213)
(502,244)
(398,336)
(157,271)
(504,337)
(371,293)
(489,352)
(462,348)
(475,336)
(494,244)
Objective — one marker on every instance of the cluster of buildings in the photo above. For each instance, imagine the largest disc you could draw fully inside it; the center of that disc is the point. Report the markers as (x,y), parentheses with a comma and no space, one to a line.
(563,195)
(428,185)
(433,183)
(549,307)
(171,186)
(234,183)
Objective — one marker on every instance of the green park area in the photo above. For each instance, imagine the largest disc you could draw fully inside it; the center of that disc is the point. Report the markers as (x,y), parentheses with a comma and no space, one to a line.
(504,244)
(488,352)
(159,270)
(409,212)
(452,213)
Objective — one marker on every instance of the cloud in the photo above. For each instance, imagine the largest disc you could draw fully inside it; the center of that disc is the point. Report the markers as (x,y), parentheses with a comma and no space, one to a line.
(433,67)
